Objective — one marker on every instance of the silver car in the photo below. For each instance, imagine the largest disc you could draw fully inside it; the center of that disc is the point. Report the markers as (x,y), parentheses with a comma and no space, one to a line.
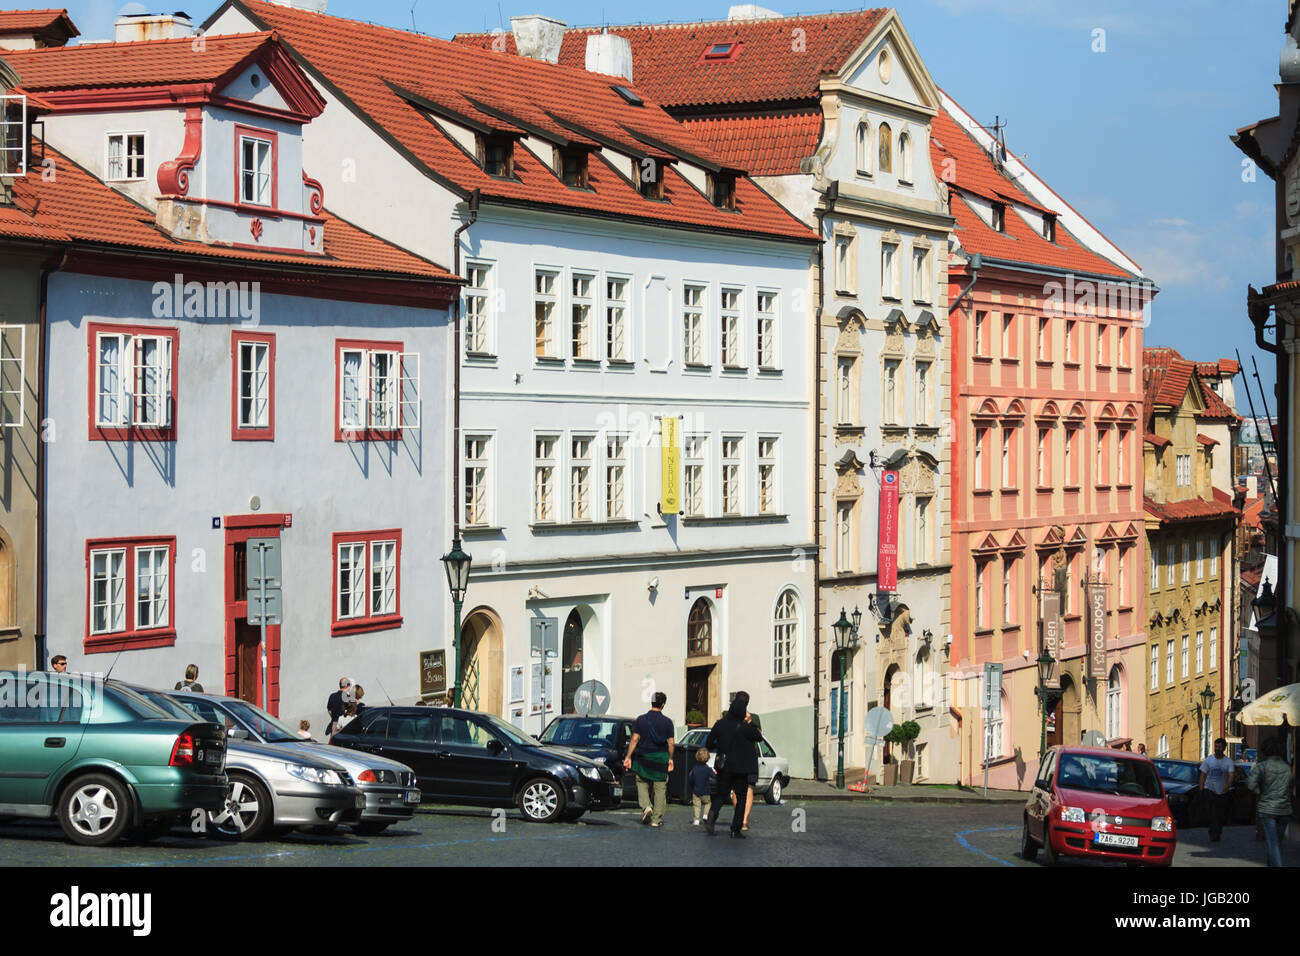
(389,787)
(773,770)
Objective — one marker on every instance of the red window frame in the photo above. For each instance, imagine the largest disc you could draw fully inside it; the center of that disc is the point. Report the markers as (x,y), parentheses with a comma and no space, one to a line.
(370,621)
(365,434)
(132,637)
(254,132)
(129,432)
(248,432)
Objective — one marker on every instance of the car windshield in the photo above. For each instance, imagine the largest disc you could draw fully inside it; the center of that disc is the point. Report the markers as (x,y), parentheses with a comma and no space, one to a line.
(257,721)
(582,732)
(511,732)
(1102,774)
(1177,772)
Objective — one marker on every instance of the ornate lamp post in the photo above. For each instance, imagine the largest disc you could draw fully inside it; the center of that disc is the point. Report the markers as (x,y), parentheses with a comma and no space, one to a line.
(1207,701)
(457,564)
(1045,662)
(846,638)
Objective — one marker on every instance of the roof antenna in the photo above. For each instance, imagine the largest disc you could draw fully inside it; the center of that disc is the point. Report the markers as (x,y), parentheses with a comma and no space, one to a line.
(381,687)
(501,19)
(414,28)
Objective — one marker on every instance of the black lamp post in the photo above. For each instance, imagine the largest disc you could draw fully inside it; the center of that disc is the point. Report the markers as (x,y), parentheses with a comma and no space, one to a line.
(457,564)
(846,638)
(1045,662)
(1207,701)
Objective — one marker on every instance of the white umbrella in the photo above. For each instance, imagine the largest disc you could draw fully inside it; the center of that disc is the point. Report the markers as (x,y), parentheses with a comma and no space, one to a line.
(1274,708)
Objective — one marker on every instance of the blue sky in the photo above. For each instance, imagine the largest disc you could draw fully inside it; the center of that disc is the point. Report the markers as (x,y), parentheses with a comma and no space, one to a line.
(1134,136)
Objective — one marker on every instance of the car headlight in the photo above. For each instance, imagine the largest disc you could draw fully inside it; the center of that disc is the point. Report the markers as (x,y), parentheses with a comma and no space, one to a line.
(592,772)
(1163,824)
(313,774)
(1073,815)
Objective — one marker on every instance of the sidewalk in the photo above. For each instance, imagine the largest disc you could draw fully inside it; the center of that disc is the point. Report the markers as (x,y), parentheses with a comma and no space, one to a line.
(903,793)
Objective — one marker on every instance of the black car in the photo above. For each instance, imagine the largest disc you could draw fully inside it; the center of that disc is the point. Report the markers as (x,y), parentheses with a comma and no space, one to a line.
(467,757)
(1181,781)
(602,738)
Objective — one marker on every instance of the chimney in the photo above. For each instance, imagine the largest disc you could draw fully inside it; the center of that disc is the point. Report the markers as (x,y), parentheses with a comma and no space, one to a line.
(538,37)
(750,11)
(133,27)
(609,53)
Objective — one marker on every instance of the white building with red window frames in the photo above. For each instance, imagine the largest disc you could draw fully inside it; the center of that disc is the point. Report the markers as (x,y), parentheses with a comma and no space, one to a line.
(617,270)
(225,360)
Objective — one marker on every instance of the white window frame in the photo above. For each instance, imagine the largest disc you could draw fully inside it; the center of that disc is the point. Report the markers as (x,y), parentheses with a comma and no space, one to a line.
(890,387)
(1114,705)
(787,630)
(994,727)
(1171,569)
(263,171)
(583,288)
(617,484)
(1200,559)
(731,475)
(1155,666)
(477,477)
(546,462)
(981,439)
(132,372)
(891,281)
(254,384)
(581,472)
(694,326)
(923,532)
(768,496)
(115,607)
(546,306)
(13,368)
(1169,662)
(13,131)
(387,400)
(381,577)
(846,271)
(731,327)
(127,158)
(845,406)
(695,470)
(1187,562)
(923,401)
(480,308)
(1214,648)
(1155,569)
(1162,746)
(845,513)
(1186,658)
(618,335)
(863,154)
(767,304)
(1200,653)
(905,158)
(922,274)
(351,598)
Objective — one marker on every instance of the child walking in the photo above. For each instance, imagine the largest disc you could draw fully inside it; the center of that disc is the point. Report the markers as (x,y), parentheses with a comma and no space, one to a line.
(701,775)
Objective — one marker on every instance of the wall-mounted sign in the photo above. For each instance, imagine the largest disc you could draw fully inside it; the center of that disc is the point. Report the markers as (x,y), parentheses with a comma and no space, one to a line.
(1051,624)
(669,465)
(433,673)
(1095,599)
(887,534)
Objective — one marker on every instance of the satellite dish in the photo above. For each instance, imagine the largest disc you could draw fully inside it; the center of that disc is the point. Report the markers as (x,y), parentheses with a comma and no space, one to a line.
(591,697)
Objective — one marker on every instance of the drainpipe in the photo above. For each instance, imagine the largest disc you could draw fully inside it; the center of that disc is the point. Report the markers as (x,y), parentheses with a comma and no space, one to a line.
(973,263)
(473,203)
(40,650)
(828,202)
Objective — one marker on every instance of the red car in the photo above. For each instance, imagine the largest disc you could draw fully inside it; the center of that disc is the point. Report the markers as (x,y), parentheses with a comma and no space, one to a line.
(1099,804)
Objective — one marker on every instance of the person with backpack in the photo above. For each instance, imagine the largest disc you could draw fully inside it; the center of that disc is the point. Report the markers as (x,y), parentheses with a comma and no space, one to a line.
(1270,778)
(650,757)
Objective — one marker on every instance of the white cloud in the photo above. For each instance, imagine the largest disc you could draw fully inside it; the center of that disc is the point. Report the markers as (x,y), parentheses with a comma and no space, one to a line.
(1175,223)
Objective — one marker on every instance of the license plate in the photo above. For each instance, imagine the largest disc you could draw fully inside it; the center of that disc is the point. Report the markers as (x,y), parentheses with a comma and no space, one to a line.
(1115,839)
(361,801)
(413,796)
(618,791)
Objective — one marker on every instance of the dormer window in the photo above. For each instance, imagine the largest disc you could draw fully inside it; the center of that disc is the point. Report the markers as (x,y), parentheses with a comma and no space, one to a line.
(571,162)
(722,190)
(999,217)
(125,160)
(652,178)
(256,167)
(496,154)
(1049,227)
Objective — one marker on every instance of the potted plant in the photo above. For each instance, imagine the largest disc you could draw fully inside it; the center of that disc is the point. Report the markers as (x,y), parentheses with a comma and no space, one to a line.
(694,718)
(903,734)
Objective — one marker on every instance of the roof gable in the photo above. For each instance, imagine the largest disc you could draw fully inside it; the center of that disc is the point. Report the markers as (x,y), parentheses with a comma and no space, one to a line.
(904,76)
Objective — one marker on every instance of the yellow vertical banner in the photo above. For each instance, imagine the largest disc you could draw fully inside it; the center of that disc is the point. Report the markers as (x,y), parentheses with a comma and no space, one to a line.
(670,456)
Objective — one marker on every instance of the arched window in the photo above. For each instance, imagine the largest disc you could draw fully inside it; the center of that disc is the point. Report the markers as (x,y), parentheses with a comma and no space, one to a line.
(699,630)
(864,148)
(1162,748)
(785,634)
(921,684)
(905,157)
(1113,703)
(885,141)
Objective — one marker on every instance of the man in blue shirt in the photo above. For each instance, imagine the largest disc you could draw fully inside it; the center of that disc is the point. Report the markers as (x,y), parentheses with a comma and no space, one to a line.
(650,757)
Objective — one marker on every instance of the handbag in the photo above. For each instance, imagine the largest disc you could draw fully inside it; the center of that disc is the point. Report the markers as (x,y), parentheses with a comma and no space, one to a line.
(720,758)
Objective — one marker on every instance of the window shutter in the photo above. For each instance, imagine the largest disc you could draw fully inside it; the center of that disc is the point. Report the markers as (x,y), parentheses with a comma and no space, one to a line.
(13,393)
(409,393)
(165,382)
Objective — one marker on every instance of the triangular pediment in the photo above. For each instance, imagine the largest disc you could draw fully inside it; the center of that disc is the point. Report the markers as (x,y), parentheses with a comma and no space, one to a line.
(905,79)
(1015,542)
(1078,537)
(989,543)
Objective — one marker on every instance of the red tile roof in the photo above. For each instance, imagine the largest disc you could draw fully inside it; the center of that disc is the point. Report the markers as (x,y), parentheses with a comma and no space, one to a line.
(371,66)
(145,63)
(779,59)
(952,148)
(1165,377)
(36,21)
(1219,368)
(1206,440)
(1252,512)
(78,209)
(769,145)
(1190,509)
(1151,438)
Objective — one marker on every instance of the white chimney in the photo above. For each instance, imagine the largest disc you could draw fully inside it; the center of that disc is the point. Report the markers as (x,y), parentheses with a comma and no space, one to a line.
(538,37)
(750,11)
(311,6)
(152,26)
(609,53)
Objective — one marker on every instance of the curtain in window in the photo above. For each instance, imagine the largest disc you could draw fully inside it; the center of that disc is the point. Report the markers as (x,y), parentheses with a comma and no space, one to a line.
(116,168)
(353,414)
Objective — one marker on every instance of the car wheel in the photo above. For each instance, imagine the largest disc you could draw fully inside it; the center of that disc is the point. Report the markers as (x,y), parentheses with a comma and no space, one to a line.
(369,829)
(541,800)
(1028,848)
(246,814)
(1049,855)
(95,810)
(773,795)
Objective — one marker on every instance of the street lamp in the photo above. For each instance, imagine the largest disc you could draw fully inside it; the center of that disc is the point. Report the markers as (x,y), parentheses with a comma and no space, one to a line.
(457,563)
(1045,662)
(1207,698)
(846,638)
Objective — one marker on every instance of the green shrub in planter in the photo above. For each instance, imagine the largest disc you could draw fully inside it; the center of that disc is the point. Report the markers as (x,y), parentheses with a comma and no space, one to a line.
(694,717)
(904,733)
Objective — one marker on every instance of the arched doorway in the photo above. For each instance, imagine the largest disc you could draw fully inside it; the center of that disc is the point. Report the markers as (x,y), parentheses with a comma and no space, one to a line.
(1182,743)
(1070,721)
(703,678)
(481,662)
(892,676)
(570,660)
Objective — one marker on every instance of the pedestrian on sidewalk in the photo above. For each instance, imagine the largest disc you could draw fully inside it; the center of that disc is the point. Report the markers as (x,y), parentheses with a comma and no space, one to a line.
(733,740)
(1271,779)
(701,775)
(650,757)
(334,705)
(191,681)
(1215,779)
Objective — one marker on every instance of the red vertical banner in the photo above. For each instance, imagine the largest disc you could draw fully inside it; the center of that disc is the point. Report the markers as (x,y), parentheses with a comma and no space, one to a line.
(887,534)
(1096,601)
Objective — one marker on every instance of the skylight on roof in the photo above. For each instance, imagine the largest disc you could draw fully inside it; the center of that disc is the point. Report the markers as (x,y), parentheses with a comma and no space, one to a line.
(721,51)
(628,95)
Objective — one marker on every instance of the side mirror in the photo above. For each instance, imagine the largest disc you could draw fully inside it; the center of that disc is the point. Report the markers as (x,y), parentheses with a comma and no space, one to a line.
(237,733)
(495,747)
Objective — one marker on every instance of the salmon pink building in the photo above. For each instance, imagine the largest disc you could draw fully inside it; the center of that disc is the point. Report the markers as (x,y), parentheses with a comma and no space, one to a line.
(1046,423)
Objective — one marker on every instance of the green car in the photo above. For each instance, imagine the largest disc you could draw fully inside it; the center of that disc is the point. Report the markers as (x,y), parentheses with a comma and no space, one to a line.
(101,758)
